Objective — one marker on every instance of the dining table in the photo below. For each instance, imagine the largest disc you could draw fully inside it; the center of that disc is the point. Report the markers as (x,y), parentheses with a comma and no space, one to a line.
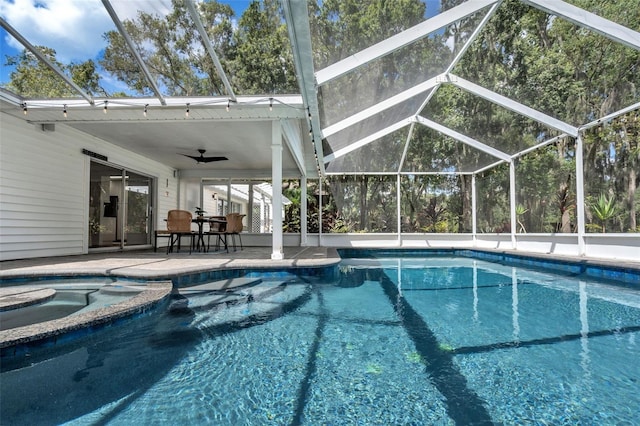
(219,222)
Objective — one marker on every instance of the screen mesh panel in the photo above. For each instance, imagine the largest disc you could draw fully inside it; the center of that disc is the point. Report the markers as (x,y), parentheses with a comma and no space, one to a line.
(492,204)
(485,121)
(394,73)
(376,123)
(545,189)
(612,175)
(171,47)
(382,155)
(58,42)
(435,204)
(335,39)
(431,151)
(364,203)
(554,66)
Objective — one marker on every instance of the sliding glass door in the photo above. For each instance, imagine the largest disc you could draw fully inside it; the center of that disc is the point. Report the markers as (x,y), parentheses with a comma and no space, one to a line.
(119,207)
(138,209)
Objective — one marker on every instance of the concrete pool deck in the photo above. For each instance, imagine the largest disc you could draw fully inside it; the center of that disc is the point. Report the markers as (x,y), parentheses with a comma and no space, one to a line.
(147,264)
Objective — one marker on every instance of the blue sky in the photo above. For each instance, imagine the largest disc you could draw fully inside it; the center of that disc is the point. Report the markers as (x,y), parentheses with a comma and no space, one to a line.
(74,28)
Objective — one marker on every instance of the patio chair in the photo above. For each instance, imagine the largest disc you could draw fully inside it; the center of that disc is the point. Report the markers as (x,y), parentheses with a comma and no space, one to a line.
(218,227)
(161,233)
(179,225)
(232,227)
(235,228)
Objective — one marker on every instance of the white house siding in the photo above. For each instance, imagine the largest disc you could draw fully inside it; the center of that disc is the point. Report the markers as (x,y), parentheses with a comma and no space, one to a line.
(44,188)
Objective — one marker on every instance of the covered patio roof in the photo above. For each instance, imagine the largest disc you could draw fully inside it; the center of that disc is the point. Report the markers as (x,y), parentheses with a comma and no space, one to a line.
(166,133)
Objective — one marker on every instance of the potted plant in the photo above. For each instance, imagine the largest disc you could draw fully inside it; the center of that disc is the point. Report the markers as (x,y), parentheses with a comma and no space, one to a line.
(95,228)
(199,212)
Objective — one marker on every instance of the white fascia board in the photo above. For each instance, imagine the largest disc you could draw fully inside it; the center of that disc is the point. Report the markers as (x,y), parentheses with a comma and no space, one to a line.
(13,98)
(582,18)
(400,40)
(293,101)
(293,139)
(290,102)
(365,141)
(513,105)
(381,106)
(463,138)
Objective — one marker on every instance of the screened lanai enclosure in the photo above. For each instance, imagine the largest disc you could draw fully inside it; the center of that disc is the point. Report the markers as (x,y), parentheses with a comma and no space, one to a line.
(478,123)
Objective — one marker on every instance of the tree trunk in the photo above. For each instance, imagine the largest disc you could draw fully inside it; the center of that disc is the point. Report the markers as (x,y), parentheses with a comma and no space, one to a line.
(465,186)
(363,203)
(566,222)
(631,192)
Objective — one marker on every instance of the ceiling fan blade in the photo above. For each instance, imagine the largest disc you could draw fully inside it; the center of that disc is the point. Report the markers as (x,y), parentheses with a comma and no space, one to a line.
(193,157)
(203,159)
(212,159)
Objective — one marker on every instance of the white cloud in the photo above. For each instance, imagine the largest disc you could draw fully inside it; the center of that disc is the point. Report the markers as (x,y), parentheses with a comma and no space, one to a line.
(73,28)
(128,9)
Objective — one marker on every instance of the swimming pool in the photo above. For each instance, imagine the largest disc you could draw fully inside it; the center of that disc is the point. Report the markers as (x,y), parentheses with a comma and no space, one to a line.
(419,340)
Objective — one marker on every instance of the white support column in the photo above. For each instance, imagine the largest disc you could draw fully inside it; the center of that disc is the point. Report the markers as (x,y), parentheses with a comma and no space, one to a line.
(303,211)
(474,219)
(512,202)
(320,211)
(250,208)
(580,205)
(276,178)
(229,197)
(264,219)
(398,212)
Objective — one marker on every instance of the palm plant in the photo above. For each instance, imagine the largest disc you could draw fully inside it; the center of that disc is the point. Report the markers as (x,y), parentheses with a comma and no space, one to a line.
(604,209)
(520,211)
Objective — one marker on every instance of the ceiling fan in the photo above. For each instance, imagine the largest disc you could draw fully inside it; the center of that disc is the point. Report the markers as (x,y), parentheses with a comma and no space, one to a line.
(203,159)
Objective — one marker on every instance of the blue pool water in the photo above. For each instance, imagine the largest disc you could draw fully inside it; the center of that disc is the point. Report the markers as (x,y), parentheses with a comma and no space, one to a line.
(434,340)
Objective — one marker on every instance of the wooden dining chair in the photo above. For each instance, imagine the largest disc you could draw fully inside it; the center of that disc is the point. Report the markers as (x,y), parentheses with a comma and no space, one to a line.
(161,233)
(179,225)
(236,229)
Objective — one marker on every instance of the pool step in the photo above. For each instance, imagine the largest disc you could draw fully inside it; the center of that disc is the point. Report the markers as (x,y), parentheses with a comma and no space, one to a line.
(119,289)
(226,293)
(218,286)
(256,303)
(20,296)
